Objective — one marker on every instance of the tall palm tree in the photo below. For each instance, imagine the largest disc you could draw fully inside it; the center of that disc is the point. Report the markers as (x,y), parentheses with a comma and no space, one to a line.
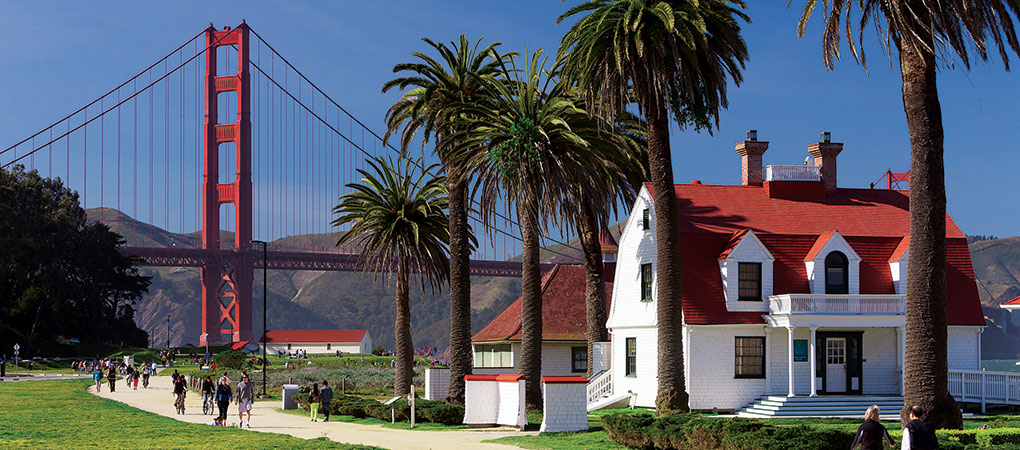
(456,76)
(668,56)
(921,31)
(398,221)
(519,146)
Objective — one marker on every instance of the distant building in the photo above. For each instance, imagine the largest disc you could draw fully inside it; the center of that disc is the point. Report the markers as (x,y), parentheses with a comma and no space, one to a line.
(497,346)
(318,341)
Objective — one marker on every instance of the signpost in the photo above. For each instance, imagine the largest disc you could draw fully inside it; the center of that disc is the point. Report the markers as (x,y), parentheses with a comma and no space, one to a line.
(17,348)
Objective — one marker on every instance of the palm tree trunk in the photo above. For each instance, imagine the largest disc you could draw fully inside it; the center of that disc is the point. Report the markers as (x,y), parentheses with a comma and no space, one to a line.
(402,333)
(460,289)
(594,289)
(531,308)
(672,391)
(926,367)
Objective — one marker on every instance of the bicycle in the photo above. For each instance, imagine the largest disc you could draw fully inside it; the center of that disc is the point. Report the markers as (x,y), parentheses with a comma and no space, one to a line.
(207,404)
(179,404)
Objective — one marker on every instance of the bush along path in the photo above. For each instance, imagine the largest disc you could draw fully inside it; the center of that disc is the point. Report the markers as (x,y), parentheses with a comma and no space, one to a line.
(265,418)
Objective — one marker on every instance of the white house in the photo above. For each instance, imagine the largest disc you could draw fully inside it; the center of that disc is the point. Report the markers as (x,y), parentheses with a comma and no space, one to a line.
(792,287)
(318,341)
(497,346)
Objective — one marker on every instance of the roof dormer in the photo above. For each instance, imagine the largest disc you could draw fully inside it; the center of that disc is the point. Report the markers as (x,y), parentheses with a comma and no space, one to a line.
(745,265)
(898,265)
(832,265)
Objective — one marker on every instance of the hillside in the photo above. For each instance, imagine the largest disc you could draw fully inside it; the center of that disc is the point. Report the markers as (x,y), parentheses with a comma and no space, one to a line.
(297,299)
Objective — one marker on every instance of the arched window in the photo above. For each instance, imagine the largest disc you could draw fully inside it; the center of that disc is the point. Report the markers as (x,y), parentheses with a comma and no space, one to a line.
(837,271)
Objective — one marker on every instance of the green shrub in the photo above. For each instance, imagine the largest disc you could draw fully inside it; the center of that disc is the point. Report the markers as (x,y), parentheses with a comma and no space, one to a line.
(998,437)
(441,413)
(695,432)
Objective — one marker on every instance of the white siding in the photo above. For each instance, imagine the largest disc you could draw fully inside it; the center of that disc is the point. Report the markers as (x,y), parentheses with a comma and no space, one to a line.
(555,360)
(963,348)
(318,347)
(637,247)
(645,382)
(710,371)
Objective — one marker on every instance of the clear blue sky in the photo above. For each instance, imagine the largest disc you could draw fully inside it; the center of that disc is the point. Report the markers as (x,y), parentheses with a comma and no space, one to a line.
(58,55)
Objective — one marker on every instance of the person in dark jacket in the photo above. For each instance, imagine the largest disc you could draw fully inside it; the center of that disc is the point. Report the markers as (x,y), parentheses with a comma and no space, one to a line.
(325,396)
(111,376)
(871,432)
(208,389)
(223,398)
(919,434)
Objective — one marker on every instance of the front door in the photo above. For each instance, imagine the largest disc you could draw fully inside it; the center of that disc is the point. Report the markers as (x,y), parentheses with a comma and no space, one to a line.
(835,365)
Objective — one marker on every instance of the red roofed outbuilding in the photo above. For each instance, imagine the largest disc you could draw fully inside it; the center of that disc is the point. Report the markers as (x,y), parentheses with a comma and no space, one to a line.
(318,341)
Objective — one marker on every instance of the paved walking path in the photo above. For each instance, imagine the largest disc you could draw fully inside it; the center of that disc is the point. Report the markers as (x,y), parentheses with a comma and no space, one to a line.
(158,399)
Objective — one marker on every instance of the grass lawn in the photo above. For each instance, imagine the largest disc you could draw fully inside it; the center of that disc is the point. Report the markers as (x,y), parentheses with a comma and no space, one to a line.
(60,414)
(418,426)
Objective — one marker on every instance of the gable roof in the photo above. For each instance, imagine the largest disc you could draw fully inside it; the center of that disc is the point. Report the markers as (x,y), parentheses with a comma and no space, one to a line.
(873,222)
(564,317)
(901,249)
(1013,303)
(283,336)
(607,241)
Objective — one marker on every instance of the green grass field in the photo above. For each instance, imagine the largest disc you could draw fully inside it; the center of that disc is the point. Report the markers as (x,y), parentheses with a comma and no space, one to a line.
(60,414)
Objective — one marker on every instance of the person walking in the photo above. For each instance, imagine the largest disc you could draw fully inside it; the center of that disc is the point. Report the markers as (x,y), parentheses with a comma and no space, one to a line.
(919,434)
(244,400)
(325,396)
(111,376)
(134,380)
(313,401)
(223,398)
(97,376)
(871,432)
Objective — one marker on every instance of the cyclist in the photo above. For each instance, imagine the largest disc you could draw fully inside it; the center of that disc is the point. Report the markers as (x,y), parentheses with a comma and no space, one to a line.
(145,376)
(180,392)
(208,391)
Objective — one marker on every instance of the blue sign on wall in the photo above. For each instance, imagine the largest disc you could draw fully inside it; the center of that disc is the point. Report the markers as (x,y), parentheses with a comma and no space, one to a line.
(800,350)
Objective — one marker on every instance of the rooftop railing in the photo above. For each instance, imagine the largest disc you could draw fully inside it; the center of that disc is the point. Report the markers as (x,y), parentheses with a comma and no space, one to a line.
(793,173)
(837,304)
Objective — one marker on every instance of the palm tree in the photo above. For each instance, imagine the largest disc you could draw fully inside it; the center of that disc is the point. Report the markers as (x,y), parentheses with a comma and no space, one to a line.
(667,56)
(398,221)
(519,146)
(457,76)
(921,30)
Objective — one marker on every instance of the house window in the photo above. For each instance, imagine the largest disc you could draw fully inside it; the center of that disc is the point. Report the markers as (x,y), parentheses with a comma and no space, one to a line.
(836,274)
(749,282)
(749,357)
(631,357)
(329,346)
(288,346)
(645,222)
(646,282)
(493,356)
(578,359)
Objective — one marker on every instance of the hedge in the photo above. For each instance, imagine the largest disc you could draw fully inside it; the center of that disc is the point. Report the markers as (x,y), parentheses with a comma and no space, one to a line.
(697,432)
(359,407)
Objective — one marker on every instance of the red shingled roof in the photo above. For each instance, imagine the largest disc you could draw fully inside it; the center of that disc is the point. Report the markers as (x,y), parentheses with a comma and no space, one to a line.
(1014,302)
(607,241)
(873,222)
(563,311)
(316,335)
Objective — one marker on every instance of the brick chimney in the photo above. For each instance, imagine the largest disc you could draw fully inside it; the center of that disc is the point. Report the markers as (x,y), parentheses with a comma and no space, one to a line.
(750,151)
(825,152)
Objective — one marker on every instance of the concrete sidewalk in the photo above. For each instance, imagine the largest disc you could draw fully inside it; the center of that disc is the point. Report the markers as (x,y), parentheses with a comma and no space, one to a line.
(158,399)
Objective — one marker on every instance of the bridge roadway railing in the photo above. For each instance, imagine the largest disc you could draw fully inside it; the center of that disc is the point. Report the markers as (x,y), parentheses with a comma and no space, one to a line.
(339,262)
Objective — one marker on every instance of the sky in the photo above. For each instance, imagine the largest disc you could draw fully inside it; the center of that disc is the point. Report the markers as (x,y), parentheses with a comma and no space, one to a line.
(57,56)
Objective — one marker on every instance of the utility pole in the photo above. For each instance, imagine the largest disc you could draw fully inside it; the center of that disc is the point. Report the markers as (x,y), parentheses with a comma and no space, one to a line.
(168,331)
(265,264)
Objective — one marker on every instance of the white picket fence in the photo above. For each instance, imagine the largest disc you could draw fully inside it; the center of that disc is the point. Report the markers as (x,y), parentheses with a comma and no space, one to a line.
(984,387)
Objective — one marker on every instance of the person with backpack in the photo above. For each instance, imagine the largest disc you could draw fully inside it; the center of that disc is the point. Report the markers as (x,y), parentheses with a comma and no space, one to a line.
(223,398)
(313,401)
(325,396)
(919,434)
(871,432)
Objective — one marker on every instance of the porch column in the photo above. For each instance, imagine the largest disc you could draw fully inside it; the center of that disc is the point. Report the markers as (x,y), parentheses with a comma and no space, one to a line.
(811,361)
(899,356)
(789,363)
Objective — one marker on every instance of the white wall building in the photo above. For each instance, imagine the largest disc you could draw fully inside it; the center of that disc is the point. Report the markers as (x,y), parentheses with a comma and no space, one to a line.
(791,287)
(318,341)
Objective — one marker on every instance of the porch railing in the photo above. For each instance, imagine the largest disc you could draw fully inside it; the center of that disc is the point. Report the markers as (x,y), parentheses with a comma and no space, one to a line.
(837,304)
(600,386)
(793,173)
(984,387)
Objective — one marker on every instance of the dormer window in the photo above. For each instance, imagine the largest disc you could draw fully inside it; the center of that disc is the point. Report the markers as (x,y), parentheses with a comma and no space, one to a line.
(837,270)
(749,281)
